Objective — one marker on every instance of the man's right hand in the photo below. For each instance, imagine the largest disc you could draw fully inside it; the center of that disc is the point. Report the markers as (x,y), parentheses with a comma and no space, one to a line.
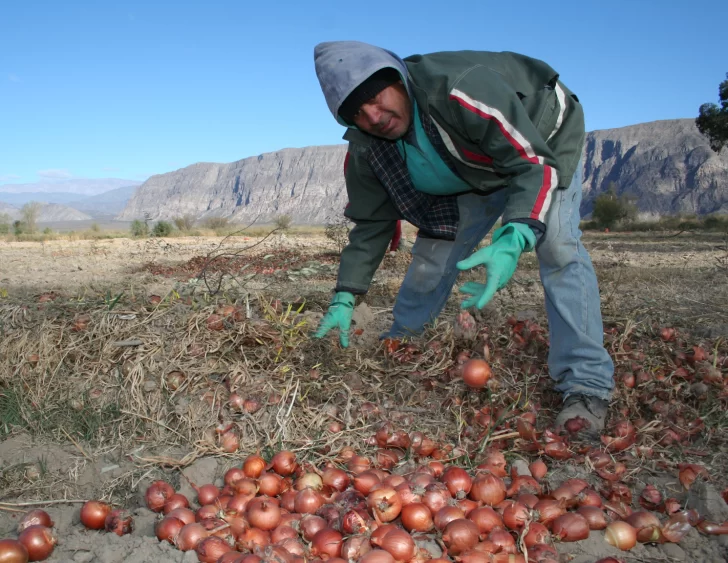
(338,316)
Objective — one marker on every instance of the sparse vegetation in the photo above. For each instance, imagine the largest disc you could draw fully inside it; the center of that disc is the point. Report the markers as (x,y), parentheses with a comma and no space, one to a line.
(30,212)
(283,222)
(184,222)
(216,223)
(5,222)
(95,227)
(162,229)
(139,228)
(337,230)
(713,120)
(611,209)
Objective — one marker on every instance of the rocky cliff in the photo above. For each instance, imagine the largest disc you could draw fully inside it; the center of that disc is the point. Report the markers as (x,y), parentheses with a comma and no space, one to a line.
(666,165)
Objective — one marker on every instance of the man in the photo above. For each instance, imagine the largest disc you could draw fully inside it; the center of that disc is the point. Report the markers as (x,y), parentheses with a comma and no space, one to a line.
(451,142)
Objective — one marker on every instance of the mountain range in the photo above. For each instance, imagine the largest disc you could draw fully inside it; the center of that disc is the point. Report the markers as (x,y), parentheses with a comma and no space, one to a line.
(666,167)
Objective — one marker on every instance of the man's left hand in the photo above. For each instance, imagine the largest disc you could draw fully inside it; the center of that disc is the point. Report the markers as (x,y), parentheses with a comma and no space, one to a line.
(500,259)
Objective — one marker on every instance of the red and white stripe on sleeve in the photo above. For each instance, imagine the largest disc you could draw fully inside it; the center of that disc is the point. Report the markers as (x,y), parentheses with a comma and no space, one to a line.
(520,144)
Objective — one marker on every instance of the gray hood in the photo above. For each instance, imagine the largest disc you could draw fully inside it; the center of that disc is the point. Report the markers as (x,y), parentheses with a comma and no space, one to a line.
(342,65)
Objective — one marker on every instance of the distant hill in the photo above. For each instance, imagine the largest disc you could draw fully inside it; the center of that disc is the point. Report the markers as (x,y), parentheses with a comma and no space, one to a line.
(49,212)
(667,166)
(107,203)
(80,187)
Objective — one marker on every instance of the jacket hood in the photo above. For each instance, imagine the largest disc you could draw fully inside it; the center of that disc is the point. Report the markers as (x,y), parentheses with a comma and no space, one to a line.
(342,65)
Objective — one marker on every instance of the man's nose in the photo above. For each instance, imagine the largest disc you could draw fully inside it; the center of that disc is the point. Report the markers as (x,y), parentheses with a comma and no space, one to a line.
(372,113)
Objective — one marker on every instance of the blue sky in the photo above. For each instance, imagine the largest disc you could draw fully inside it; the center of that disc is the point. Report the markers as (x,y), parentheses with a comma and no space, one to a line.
(127,89)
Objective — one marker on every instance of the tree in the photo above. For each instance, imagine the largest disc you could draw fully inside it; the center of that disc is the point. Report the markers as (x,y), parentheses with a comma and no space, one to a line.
(185,222)
(713,120)
(139,228)
(609,208)
(4,223)
(30,212)
(283,222)
(162,229)
(337,230)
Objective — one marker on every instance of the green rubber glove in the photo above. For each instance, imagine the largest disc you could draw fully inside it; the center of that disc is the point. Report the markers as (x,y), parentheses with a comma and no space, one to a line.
(500,259)
(339,315)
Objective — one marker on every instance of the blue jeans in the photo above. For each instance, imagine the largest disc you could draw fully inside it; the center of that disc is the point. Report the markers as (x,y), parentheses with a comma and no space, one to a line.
(578,361)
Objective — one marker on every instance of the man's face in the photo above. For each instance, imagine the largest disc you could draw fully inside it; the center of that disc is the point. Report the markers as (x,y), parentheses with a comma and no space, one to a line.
(387,115)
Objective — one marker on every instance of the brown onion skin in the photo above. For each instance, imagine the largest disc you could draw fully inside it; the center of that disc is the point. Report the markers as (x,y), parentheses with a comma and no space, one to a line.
(168,528)
(12,551)
(486,519)
(35,518)
(270,484)
(207,494)
(39,541)
(120,522)
(190,536)
(537,534)
(211,549)
(308,501)
(184,514)
(621,535)
(399,544)
(253,466)
(177,500)
(327,542)
(310,525)
(284,463)
(263,513)
(460,535)
(594,516)
(157,494)
(571,526)
(94,513)
(416,517)
(336,478)
(377,556)
(476,373)
(354,547)
(446,515)
(488,489)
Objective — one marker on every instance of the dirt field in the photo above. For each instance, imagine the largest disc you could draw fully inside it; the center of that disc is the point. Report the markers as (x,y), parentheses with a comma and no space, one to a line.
(92,330)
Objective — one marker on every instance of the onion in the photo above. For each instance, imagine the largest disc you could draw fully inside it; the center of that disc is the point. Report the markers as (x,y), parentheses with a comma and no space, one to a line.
(168,529)
(233,475)
(538,469)
(174,502)
(594,516)
(39,541)
(284,463)
(589,497)
(377,556)
(309,481)
(157,494)
(502,540)
(537,533)
(327,543)
(399,544)
(516,515)
(476,373)
(308,501)
(239,502)
(12,551)
(184,514)
(253,466)
(207,512)
(245,486)
(94,513)
(211,549)
(270,484)
(416,517)
(529,499)
(385,504)
(543,553)
(460,535)
(570,527)
(283,532)
(119,521)
(207,494)
(358,464)
(647,526)
(35,518)
(336,478)
(650,498)
(354,547)
(252,538)
(446,515)
(457,481)
(488,489)
(621,535)
(486,519)
(263,513)
(310,525)
(355,522)
(365,481)
(711,528)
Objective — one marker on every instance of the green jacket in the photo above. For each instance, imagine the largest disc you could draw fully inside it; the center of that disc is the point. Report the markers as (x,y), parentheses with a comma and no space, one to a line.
(507,122)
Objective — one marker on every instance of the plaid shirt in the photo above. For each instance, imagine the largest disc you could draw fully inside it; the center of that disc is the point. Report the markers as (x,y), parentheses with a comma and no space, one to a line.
(436,215)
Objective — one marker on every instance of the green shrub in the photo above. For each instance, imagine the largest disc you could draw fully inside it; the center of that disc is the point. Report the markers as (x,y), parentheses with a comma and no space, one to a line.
(283,222)
(185,222)
(18,228)
(610,209)
(4,228)
(139,228)
(47,231)
(162,229)
(95,227)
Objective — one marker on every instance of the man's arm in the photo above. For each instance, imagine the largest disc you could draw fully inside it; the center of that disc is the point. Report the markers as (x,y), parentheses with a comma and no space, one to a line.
(492,116)
(375,221)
